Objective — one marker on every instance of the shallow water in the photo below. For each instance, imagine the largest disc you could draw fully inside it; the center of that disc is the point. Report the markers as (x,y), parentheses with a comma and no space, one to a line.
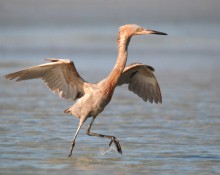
(180,136)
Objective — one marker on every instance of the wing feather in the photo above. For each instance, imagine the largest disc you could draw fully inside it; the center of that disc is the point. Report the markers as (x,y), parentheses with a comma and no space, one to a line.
(59,75)
(141,81)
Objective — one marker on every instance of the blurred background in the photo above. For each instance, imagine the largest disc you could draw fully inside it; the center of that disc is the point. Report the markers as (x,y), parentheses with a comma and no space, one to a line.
(181,136)
(51,28)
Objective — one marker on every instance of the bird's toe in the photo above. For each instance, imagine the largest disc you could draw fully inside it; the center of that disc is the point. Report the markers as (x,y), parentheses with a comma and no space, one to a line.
(116,142)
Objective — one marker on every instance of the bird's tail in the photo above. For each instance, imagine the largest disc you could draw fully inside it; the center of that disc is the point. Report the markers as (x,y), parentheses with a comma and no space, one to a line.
(71,111)
(67,111)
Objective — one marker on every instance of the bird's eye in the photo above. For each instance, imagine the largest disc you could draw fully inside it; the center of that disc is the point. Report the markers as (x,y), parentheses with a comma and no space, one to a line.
(139,29)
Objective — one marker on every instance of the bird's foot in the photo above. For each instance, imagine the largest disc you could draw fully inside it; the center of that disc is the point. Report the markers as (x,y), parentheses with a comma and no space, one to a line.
(71,150)
(116,142)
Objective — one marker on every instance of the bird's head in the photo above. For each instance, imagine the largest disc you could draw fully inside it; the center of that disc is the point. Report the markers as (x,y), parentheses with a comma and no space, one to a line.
(133,29)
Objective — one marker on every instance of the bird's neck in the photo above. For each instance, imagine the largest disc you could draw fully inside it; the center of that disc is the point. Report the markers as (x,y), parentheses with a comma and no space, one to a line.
(123,42)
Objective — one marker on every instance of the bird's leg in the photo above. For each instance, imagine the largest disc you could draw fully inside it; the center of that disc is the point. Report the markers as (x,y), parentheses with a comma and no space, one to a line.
(74,139)
(113,138)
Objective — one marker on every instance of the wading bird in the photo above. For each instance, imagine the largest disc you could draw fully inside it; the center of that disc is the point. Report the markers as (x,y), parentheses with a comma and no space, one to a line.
(62,78)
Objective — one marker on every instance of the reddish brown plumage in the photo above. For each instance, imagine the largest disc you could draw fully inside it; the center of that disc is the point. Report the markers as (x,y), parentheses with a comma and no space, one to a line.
(63,79)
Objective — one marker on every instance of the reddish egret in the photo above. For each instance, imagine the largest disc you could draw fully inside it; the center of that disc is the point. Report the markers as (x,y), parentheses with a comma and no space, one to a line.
(62,78)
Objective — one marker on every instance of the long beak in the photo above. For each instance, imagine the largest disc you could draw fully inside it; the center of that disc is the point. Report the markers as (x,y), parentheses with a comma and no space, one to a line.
(148,31)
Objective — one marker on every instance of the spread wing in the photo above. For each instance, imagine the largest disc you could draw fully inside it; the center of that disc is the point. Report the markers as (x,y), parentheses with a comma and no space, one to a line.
(141,81)
(59,75)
